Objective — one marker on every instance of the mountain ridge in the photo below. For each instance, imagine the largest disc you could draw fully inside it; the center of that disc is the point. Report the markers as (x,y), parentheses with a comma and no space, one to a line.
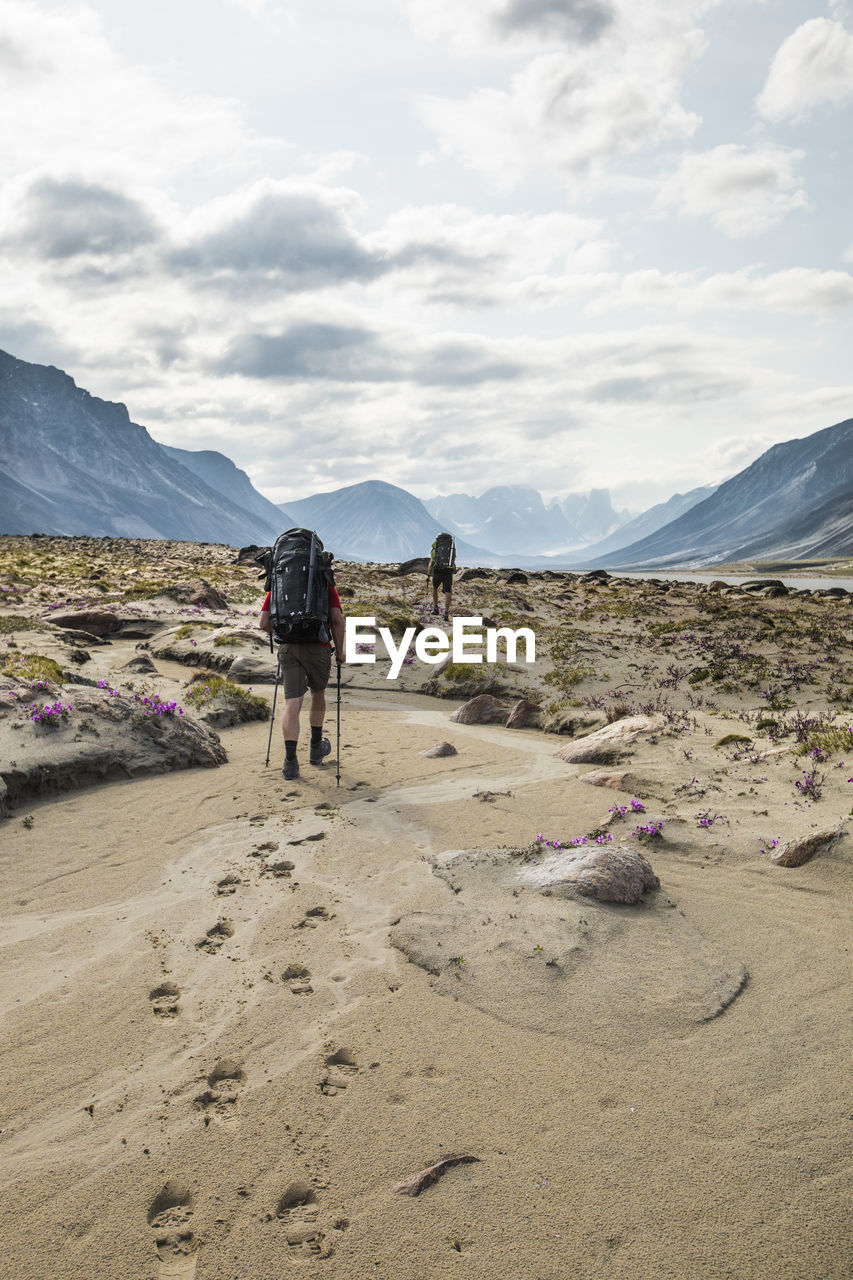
(75,464)
(804,473)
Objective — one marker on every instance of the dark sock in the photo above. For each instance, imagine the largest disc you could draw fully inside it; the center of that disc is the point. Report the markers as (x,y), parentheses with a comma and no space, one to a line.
(290,748)
(316,735)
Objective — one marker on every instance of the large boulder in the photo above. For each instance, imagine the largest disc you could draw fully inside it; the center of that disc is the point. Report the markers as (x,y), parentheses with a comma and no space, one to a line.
(605,746)
(92,622)
(420,564)
(607,872)
(524,715)
(484,709)
(246,669)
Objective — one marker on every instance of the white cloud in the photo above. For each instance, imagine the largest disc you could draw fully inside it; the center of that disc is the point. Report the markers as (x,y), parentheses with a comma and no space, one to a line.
(81,104)
(449,256)
(794,291)
(572,109)
(812,67)
(492,24)
(743,192)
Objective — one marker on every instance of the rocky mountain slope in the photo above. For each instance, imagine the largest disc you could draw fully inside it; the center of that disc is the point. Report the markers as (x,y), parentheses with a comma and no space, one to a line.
(794,481)
(648,522)
(74,464)
(822,532)
(220,473)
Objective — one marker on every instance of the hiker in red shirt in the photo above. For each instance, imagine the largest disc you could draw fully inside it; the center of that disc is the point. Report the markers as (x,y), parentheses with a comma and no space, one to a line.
(307,666)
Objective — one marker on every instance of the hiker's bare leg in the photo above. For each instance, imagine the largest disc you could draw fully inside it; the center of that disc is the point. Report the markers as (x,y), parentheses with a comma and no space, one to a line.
(290,719)
(435,599)
(447,602)
(318,707)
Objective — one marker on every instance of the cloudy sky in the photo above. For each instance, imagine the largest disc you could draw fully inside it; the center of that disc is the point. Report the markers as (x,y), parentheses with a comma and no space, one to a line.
(443,243)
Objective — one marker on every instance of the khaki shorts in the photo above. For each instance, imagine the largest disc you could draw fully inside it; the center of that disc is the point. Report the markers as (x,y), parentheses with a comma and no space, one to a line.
(304,667)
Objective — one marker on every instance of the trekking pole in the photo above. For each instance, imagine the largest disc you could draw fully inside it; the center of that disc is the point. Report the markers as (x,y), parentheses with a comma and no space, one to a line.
(272,714)
(338,766)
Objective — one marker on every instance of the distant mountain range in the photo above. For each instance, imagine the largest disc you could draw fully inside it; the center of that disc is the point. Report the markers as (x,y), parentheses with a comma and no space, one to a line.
(512,519)
(74,464)
(377,521)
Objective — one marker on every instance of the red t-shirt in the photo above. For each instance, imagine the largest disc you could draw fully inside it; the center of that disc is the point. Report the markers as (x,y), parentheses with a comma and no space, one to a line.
(334,603)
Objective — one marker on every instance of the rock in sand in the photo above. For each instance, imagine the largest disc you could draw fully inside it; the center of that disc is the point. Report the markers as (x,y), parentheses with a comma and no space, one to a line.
(607,872)
(796,852)
(524,715)
(484,709)
(604,746)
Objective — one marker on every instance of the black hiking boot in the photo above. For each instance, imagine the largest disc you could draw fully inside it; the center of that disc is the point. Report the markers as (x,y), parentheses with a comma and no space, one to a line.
(318,754)
(290,769)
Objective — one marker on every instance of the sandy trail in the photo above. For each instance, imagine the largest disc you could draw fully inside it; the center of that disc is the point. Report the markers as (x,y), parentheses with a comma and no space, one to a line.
(150,1040)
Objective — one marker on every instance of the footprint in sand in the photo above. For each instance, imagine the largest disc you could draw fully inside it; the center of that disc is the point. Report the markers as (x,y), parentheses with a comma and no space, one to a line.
(214,938)
(298,1210)
(315,835)
(227,886)
(281,870)
(313,916)
(298,978)
(224,1084)
(164,1000)
(341,1066)
(169,1217)
(261,850)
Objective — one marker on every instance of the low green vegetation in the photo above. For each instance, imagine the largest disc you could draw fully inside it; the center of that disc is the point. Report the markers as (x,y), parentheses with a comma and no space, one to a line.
(185,631)
(479,671)
(14,622)
(34,666)
(732,740)
(201,695)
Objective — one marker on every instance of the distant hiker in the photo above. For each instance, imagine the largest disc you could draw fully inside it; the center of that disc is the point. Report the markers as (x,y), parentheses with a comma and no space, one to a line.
(442,566)
(302,614)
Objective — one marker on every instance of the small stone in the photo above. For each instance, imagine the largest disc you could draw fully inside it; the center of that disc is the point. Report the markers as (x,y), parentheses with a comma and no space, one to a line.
(141,665)
(610,778)
(439,749)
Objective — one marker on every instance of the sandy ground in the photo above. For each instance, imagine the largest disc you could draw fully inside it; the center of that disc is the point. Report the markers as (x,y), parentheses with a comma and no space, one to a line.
(719,1151)
(218,1064)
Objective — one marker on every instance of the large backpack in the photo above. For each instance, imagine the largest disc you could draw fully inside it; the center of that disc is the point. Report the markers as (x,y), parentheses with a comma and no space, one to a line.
(443,557)
(299,574)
